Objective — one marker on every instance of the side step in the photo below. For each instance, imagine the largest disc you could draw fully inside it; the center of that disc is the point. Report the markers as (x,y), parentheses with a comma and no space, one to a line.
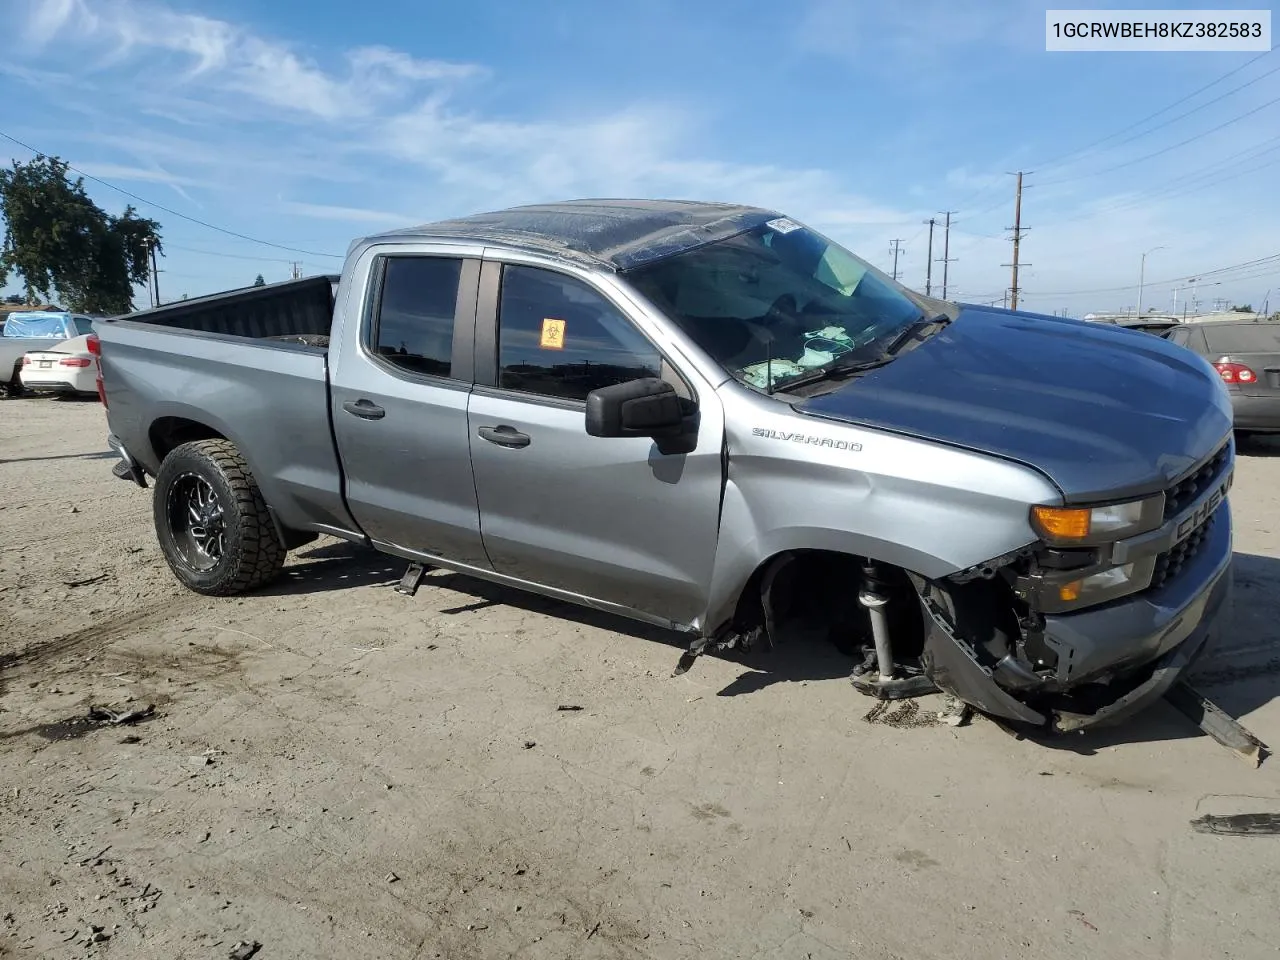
(125,472)
(412,578)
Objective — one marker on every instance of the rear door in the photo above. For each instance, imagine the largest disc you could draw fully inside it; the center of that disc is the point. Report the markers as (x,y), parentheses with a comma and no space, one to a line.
(1256,345)
(399,395)
(611,519)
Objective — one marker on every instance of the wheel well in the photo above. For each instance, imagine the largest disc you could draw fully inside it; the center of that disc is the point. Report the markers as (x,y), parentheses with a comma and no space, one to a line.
(168,433)
(816,592)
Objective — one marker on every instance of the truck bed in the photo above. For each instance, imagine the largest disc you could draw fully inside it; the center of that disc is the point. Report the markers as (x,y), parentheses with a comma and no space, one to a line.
(249,366)
(279,311)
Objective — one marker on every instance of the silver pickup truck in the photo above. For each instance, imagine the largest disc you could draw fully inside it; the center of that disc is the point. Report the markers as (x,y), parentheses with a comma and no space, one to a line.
(711,418)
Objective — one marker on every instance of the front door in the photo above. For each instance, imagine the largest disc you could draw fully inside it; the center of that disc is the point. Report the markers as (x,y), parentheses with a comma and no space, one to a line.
(612,519)
(400,413)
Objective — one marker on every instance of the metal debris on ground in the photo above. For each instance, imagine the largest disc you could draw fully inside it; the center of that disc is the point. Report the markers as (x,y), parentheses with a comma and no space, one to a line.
(1239,824)
(391,878)
(568,708)
(904,714)
(530,744)
(85,581)
(1210,718)
(244,950)
(105,715)
(1079,915)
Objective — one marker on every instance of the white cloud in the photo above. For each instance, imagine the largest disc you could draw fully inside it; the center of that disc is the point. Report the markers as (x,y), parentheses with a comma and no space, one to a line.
(860,30)
(119,171)
(234,58)
(323,211)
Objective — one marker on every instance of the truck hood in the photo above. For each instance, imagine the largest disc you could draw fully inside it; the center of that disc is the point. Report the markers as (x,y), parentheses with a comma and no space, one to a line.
(1104,413)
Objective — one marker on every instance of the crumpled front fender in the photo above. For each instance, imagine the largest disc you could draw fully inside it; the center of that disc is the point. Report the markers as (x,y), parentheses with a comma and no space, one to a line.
(953,666)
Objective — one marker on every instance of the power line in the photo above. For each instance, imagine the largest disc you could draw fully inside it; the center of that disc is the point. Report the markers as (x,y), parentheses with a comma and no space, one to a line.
(230,256)
(1175,146)
(1123,130)
(1171,191)
(1207,103)
(1165,109)
(1273,260)
(172,212)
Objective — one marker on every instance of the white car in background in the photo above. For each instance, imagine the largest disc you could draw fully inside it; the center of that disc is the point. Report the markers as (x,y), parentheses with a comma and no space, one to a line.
(69,369)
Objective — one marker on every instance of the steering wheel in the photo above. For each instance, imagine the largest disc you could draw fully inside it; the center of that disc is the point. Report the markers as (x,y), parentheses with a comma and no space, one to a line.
(784,308)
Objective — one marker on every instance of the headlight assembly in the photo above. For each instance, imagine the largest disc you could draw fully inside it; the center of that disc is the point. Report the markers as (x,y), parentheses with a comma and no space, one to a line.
(1097,525)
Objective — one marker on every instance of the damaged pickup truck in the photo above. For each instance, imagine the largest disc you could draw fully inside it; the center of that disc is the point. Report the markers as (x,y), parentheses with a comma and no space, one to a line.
(711,418)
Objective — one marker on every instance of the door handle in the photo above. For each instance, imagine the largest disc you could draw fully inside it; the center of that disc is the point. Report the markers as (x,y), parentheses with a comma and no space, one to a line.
(365,409)
(504,436)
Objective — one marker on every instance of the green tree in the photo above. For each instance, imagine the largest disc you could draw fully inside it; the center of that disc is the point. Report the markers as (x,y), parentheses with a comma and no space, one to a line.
(1247,308)
(258,281)
(58,240)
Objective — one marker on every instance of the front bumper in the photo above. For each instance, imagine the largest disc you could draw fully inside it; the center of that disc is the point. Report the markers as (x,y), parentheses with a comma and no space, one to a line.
(1126,655)
(1114,659)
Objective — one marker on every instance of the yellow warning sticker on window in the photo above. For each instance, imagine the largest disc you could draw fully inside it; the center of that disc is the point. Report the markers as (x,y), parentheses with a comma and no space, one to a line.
(552,334)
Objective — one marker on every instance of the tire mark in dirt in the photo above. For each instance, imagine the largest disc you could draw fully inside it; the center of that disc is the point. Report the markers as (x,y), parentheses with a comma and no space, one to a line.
(96,635)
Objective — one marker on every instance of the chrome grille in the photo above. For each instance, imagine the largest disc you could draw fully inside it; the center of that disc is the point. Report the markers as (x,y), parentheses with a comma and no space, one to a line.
(1178,497)
(1170,563)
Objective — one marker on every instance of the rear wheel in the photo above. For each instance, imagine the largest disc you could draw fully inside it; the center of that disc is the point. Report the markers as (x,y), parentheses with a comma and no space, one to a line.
(211,521)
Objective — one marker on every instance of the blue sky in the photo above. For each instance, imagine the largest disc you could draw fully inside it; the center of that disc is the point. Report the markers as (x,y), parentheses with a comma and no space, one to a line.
(309,124)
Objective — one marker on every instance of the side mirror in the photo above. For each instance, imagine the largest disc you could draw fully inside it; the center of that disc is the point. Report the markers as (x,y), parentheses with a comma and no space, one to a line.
(638,408)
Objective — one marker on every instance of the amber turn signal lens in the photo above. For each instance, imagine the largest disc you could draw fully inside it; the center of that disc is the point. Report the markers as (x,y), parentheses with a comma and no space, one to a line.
(1069,591)
(1062,523)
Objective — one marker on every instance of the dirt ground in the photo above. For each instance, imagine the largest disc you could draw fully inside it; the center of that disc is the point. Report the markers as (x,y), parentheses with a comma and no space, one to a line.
(335,770)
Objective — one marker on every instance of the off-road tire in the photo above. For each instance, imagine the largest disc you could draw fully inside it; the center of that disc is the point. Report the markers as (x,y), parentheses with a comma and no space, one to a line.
(252,556)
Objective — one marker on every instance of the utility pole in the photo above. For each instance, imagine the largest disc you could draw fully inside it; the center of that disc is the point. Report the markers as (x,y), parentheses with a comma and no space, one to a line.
(946,251)
(897,246)
(297,269)
(1018,231)
(155,275)
(928,262)
(1142,274)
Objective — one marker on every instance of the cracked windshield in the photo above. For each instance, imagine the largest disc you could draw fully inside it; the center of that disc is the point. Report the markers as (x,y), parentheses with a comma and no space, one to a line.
(778,302)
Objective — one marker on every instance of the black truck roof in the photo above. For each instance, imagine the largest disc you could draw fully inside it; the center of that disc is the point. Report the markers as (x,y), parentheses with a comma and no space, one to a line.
(618,234)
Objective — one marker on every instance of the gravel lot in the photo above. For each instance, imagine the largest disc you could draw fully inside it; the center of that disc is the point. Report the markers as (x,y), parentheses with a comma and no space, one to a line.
(335,770)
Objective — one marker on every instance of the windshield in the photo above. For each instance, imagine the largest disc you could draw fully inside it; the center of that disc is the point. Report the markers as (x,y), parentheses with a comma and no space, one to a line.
(779,296)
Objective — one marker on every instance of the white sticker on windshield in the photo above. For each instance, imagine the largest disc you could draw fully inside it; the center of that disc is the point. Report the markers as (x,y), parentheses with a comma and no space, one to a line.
(783,225)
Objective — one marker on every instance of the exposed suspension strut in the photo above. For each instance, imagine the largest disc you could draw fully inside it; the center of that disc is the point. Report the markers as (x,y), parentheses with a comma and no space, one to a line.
(888,680)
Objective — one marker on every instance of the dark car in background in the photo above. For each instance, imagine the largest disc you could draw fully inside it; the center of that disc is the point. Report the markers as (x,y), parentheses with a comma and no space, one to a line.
(1246,354)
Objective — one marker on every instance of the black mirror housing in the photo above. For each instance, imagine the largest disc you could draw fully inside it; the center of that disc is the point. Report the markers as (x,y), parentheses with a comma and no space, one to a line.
(648,407)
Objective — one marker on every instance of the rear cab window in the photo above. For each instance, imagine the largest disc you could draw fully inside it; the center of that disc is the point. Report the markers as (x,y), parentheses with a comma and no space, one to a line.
(413,314)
